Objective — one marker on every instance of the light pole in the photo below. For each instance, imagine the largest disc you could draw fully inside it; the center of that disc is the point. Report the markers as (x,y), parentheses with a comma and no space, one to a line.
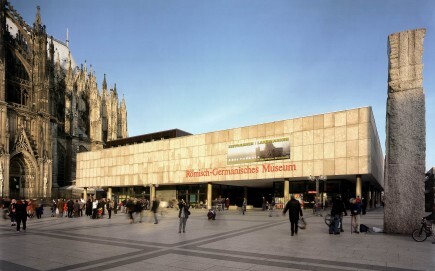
(317,179)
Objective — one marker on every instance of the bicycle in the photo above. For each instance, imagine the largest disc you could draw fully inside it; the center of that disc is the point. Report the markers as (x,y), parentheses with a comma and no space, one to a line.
(419,235)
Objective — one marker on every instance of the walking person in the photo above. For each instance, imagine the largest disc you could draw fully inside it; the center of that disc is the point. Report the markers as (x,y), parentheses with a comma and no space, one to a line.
(89,207)
(129,207)
(295,212)
(60,204)
(115,207)
(183,214)
(271,207)
(53,208)
(154,209)
(13,212)
(70,207)
(245,202)
(21,214)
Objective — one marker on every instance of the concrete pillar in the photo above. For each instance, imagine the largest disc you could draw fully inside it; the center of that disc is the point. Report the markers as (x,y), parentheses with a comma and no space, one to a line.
(358,189)
(152,192)
(245,192)
(209,195)
(405,146)
(286,189)
(85,194)
(109,193)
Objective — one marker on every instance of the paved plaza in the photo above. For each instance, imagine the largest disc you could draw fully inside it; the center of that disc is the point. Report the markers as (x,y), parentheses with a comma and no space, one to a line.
(233,241)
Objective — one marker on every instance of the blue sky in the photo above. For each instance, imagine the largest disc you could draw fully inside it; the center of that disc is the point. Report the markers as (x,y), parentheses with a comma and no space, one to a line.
(207,65)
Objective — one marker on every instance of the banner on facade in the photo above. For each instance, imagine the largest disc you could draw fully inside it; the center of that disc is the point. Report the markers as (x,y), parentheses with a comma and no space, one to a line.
(257,151)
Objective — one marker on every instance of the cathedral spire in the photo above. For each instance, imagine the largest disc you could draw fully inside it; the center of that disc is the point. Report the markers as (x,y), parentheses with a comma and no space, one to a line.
(104,82)
(38,20)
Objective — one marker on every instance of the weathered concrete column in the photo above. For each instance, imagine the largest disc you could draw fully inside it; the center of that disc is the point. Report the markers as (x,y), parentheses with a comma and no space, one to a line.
(109,193)
(286,189)
(152,192)
(85,194)
(209,191)
(358,189)
(405,150)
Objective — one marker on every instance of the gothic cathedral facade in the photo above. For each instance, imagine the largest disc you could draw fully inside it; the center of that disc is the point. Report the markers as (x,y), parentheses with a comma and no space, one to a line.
(50,109)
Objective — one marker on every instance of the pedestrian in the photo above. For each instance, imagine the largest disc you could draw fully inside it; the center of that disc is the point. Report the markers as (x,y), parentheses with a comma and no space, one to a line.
(76,208)
(94,208)
(109,208)
(53,208)
(264,204)
(39,211)
(295,212)
(129,207)
(337,211)
(355,212)
(89,207)
(227,203)
(115,206)
(245,202)
(271,207)
(139,207)
(82,205)
(183,214)
(21,214)
(13,212)
(65,208)
(154,209)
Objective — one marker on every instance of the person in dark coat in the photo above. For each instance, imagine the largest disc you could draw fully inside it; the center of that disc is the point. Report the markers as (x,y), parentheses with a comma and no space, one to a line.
(21,214)
(39,211)
(183,214)
(154,209)
(13,212)
(70,206)
(89,207)
(295,212)
(337,211)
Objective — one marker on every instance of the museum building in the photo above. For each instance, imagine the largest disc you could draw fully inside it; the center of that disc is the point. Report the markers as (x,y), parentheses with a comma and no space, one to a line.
(313,157)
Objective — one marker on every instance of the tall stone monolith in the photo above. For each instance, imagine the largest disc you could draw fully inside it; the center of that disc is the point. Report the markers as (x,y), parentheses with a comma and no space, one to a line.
(405,156)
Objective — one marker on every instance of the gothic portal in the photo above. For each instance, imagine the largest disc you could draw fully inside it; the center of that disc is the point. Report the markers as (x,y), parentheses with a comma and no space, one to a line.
(50,109)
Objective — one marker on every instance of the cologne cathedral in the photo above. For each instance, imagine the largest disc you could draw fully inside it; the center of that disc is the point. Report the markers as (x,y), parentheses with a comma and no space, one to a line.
(50,109)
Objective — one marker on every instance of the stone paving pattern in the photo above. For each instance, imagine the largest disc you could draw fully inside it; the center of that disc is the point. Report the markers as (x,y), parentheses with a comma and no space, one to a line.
(233,241)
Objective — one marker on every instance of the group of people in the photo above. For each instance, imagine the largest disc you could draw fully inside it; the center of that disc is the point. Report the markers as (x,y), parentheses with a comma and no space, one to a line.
(339,209)
(137,206)
(18,213)
(19,210)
